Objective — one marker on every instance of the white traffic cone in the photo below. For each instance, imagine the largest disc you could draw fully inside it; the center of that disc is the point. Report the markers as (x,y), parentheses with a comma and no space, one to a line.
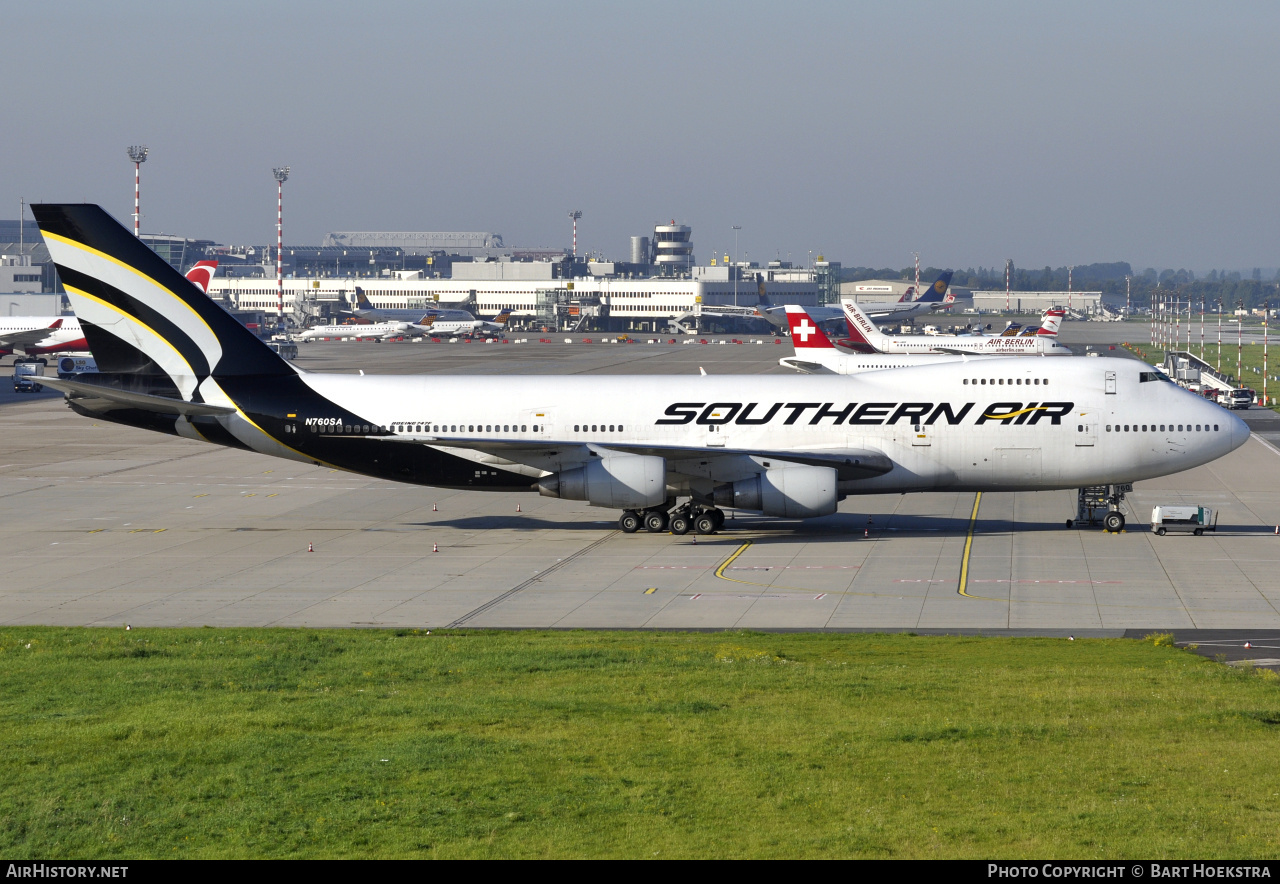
(435,547)
(310,548)
(433,508)
(1248,645)
(517,507)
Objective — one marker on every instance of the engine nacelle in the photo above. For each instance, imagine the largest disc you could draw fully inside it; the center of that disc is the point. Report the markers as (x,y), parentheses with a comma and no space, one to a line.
(799,492)
(625,481)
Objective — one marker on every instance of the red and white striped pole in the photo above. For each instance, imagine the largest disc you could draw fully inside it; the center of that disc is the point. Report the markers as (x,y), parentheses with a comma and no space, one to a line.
(281,174)
(917,289)
(575,214)
(1007,262)
(138,154)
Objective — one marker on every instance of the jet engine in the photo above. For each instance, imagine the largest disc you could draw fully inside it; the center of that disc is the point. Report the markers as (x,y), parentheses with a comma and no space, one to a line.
(625,481)
(798,492)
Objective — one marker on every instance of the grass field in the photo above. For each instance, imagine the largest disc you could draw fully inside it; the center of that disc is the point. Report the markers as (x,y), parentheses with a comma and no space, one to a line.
(1245,362)
(299,743)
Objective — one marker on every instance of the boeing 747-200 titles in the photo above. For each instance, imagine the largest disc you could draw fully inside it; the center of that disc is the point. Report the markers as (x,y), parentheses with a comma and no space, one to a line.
(789,446)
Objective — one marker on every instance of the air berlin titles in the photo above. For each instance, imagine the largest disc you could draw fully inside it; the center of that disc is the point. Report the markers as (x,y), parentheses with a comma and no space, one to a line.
(868,413)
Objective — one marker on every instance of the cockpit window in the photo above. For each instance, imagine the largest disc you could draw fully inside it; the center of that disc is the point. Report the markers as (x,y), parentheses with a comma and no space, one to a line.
(1146,376)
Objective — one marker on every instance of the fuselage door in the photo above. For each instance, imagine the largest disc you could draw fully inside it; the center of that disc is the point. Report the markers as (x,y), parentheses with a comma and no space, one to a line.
(1110,382)
(1086,431)
(920,435)
(540,423)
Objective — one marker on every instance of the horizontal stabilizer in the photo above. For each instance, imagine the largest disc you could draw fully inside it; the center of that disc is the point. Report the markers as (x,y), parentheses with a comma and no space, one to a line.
(144,401)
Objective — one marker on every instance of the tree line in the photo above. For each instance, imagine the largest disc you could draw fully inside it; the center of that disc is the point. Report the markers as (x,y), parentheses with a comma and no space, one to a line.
(1225,288)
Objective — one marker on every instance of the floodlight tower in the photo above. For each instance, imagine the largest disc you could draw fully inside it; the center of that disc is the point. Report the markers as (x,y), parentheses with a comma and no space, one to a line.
(281,174)
(1008,262)
(735,228)
(575,214)
(138,154)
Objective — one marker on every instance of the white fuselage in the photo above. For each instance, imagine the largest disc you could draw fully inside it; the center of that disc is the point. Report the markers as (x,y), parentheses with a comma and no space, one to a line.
(454,327)
(980,424)
(370,330)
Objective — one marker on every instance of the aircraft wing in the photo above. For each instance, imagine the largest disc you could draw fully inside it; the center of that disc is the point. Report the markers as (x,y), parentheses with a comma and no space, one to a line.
(850,463)
(22,339)
(958,351)
(143,401)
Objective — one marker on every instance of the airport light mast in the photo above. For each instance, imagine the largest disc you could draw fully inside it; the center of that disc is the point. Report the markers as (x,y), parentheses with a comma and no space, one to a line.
(917,288)
(138,155)
(281,174)
(575,214)
(1008,262)
(736,228)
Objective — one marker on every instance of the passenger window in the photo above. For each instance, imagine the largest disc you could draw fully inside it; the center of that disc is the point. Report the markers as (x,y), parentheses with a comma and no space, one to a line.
(1179,428)
(1144,428)
(610,428)
(522,428)
(575,428)
(1215,428)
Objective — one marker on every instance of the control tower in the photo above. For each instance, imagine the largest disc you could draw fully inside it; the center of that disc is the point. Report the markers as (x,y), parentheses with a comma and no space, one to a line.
(673,248)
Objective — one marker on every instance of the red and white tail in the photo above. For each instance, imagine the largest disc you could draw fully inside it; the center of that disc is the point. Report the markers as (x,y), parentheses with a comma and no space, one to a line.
(201,274)
(863,334)
(1051,322)
(805,334)
(907,295)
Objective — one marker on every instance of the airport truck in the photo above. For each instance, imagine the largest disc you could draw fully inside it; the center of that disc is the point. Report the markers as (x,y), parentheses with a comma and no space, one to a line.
(1239,398)
(1188,519)
(25,372)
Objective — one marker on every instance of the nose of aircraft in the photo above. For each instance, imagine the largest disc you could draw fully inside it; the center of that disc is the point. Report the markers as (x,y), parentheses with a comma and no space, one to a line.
(1239,431)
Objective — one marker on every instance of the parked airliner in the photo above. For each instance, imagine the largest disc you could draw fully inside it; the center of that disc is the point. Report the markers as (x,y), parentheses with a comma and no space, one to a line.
(789,446)
(866,338)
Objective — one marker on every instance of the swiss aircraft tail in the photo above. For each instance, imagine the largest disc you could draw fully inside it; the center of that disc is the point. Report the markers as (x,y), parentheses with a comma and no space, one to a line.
(202,274)
(805,333)
(863,334)
(140,316)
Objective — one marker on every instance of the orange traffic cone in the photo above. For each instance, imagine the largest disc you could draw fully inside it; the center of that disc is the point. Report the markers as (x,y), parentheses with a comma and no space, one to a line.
(517,507)
(1248,645)
(433,508)
(310,548)
(435,547)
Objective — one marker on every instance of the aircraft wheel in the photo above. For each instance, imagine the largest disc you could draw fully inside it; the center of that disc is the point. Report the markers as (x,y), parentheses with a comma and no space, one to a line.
(1113,522)
(629,522)
(718,515)
(1199,532)
(705,523)
(1161,532)
(680,524)
(1070,523)
(655,521)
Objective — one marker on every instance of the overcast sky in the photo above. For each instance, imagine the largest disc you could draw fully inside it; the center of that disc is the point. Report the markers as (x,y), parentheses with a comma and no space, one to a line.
(968,131)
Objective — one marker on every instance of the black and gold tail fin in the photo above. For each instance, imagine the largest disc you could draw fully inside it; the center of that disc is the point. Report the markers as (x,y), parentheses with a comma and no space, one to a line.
(139,314)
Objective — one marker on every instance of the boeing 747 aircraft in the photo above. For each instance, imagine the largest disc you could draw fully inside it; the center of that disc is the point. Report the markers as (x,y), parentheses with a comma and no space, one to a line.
(788,446)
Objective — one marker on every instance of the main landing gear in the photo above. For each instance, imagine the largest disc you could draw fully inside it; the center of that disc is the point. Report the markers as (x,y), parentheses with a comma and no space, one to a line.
(680,520)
